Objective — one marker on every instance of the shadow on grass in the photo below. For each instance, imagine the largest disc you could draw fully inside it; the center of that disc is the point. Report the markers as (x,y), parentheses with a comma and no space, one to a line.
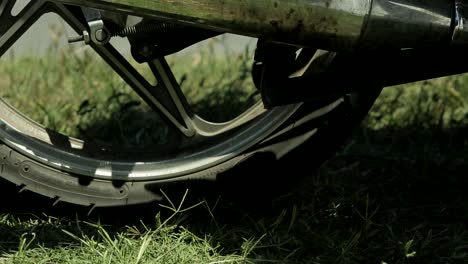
(393,195)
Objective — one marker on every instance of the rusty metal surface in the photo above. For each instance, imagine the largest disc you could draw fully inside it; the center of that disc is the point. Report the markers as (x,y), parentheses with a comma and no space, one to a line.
(323,23)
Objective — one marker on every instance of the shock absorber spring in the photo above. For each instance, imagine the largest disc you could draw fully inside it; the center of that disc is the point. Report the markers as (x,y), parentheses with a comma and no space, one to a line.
(144,28)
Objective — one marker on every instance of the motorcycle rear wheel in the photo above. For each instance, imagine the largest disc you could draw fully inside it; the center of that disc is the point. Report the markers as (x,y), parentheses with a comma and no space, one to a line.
(92,174)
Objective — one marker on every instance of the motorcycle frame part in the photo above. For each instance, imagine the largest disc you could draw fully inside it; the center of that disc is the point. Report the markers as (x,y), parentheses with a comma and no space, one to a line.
(326,24)
(354,71)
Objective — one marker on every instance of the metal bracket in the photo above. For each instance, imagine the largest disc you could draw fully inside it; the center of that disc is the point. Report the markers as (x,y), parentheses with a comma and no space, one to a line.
(98,33)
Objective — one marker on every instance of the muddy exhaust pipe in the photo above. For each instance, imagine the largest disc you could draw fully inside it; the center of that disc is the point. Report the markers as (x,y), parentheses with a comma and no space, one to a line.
(326,24)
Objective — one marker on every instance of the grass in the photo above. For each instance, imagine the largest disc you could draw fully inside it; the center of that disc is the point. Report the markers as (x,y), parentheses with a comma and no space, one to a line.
(396,193)
(85,242)
(48,239)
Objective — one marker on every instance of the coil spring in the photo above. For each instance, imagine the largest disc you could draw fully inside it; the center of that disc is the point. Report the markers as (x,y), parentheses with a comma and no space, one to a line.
(144,28)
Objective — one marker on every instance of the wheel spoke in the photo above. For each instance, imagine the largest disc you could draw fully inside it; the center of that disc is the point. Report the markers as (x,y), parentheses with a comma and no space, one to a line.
(169,91)
(149,93)
(13,27)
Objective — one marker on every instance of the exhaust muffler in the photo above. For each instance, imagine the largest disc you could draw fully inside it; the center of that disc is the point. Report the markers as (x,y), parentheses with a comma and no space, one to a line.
(326,24)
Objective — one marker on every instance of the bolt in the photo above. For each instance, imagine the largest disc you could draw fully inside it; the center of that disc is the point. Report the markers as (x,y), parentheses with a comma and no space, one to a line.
(146,50)
(26,168)
(101,35)
(84,37)
(76,39)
